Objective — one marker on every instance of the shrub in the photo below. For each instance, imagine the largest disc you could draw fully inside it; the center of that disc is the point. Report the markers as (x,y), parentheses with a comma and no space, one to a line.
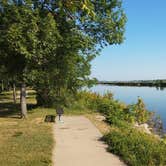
(131,113)
(113,110)
(104,106)
(136,148)
(139,111)
(89,99)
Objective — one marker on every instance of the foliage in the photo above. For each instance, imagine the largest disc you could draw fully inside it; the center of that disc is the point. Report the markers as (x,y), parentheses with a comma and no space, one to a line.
(115,111)
(53,42)
(139,111)
(93,100)
(136,148)
(26,38)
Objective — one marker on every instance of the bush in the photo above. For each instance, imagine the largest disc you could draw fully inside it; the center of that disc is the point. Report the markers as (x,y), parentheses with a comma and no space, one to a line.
(139,111)
(113,110)
(50,98)
(131,113)
(104,106)
(136,148)
(90,100)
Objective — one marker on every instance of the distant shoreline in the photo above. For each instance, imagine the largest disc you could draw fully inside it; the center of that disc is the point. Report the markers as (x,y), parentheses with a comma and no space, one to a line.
(140,83)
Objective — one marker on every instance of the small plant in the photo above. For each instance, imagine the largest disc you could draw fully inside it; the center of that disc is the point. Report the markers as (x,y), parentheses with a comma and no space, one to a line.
(139,111)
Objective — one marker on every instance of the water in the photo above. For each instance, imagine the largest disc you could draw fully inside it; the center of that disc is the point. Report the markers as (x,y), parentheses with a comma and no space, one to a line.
(154,99)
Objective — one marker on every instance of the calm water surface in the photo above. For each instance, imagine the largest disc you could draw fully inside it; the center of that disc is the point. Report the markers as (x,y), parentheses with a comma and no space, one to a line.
(154,99)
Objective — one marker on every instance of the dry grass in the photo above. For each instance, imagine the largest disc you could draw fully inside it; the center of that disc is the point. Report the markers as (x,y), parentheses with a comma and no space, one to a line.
(24,142)
(98,122)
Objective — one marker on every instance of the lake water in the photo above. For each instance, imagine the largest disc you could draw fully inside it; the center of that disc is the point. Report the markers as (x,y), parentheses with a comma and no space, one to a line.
(155,99)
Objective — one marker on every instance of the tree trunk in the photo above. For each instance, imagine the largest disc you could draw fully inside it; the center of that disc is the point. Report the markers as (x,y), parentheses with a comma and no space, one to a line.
(14,93)
(2,86)
(8,85)
(23,101)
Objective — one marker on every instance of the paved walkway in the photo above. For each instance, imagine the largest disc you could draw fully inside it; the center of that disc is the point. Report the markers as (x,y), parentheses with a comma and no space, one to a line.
(77,144)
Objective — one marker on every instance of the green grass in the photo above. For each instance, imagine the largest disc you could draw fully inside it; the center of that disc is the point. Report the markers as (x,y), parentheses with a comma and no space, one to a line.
(26,142)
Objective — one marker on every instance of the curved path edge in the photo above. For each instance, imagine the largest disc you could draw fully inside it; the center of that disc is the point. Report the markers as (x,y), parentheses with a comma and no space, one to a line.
(78,144)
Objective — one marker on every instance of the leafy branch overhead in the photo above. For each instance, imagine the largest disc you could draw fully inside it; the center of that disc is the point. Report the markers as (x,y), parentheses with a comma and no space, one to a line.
(50,44)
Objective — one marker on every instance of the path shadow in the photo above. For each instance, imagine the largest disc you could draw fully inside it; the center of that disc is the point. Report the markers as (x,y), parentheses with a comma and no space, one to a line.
(102,139)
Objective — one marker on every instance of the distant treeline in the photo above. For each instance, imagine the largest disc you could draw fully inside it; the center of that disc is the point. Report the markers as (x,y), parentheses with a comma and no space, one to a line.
(148,83)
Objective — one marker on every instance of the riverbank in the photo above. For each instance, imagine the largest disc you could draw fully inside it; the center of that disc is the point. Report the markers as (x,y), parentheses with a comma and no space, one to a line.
(30,141)
(132,144)
(153,98)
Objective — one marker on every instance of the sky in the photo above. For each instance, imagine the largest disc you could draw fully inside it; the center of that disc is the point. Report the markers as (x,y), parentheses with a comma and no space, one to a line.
(142,56)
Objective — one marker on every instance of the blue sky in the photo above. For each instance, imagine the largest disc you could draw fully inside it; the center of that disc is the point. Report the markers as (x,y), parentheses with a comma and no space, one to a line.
(143,53)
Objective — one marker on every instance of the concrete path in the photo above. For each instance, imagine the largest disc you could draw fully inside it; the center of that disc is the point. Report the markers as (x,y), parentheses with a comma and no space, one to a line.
(77,144)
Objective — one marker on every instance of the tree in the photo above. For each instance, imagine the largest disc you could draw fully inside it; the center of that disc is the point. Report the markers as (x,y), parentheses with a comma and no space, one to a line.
(18,43)
(22,47)
(102,20)
(67,69)
(7,80)
(53,42)
(84,27)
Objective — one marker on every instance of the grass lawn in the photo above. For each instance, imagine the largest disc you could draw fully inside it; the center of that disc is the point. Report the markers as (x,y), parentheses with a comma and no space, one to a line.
(24,142)
(29,142)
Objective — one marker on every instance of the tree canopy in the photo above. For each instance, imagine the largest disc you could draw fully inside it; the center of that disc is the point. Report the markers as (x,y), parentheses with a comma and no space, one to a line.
(50,44)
